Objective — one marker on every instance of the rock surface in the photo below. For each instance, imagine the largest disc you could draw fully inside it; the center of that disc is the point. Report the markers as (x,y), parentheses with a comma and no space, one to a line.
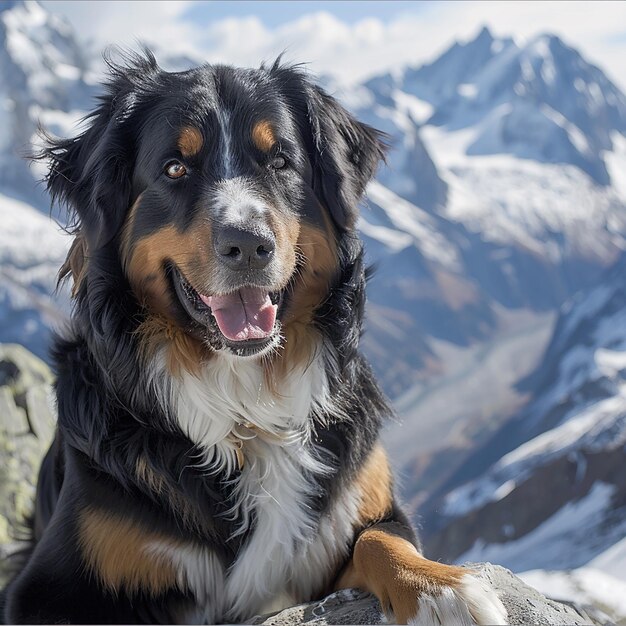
(524,604)
(26,429)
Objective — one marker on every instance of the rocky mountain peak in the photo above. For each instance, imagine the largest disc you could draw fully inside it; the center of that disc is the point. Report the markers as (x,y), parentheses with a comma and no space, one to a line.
(43,71)
(484,35)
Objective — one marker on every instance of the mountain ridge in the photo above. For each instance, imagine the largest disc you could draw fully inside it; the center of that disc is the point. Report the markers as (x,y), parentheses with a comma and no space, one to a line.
(571,432)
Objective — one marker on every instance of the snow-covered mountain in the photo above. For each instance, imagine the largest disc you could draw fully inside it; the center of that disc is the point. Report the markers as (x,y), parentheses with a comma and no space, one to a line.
(508,160)
(43,82)
(548,489)
(32,248)
(540,101)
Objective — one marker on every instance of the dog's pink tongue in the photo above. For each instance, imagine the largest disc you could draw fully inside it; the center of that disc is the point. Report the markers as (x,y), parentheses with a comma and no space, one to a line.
(245,314)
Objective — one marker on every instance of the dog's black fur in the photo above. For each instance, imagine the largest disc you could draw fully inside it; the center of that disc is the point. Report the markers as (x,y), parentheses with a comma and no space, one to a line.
(217,453)
(108,417)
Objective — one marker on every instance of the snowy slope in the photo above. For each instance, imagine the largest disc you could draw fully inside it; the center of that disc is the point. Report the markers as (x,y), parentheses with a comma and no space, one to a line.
(585,586)
(548,490)
(32,248)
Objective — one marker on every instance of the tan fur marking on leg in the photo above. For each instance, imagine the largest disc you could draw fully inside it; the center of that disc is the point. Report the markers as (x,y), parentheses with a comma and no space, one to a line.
(190,141)
(117,550)
(263,136)
(375,485)
(391,568)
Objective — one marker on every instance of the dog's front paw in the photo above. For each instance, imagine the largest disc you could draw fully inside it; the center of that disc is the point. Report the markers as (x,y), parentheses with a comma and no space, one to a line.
(466,603)
(416,590)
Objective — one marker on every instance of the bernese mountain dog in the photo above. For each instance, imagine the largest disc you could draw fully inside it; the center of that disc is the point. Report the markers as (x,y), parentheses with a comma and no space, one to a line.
(217,454)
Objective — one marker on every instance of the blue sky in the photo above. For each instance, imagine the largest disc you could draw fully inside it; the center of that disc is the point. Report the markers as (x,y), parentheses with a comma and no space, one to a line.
(275,13)
(351,40)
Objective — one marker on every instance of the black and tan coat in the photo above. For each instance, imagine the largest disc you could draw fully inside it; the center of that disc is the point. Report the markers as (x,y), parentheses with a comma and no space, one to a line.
(217,452)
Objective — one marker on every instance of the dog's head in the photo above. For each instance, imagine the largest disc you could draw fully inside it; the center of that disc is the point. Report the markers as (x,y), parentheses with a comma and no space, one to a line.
(223,192)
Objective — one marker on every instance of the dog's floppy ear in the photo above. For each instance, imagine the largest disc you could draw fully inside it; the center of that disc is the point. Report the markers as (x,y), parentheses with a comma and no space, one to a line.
(346,155)
(91,173)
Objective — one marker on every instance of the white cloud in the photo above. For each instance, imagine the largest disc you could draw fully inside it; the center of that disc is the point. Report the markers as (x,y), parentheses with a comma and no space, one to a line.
(103,22)
(354,51)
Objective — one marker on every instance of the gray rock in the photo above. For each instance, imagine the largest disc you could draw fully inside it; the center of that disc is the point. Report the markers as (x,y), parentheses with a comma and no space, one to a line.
(26,429)
(39,404)
(12,417)
(348,606)
(524,604)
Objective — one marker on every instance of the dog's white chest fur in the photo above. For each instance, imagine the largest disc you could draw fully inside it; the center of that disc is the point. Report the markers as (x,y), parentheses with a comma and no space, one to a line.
(289,553)
(231,392)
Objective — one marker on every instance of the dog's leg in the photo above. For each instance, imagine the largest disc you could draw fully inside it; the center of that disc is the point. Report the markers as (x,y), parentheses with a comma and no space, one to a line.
(91,567)
(55,589)
(44,594)
(416,590)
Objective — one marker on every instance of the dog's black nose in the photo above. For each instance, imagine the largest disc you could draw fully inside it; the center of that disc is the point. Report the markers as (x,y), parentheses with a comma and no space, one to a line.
(242,249)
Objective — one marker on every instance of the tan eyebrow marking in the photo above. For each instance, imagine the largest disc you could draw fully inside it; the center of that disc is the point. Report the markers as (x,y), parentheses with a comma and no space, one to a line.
(190,141)
(263,136)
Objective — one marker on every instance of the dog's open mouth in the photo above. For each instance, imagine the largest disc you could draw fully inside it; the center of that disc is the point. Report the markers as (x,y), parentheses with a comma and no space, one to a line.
(249,313)
(246,320)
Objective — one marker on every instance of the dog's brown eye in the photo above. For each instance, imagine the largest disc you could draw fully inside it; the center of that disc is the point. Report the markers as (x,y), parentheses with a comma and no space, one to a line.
(175,169)
(277,163)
